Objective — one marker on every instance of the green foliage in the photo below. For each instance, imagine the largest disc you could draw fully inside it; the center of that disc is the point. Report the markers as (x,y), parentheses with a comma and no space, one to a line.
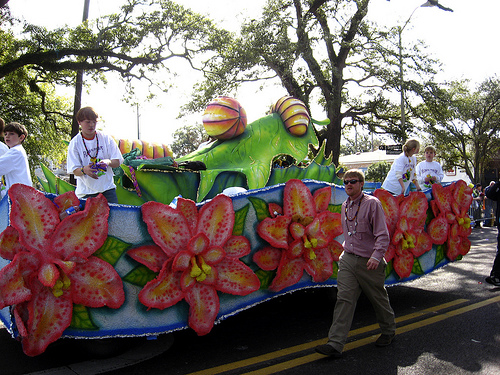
(134,43)
(187,139)
(377,171)
(463,124)
(325,48)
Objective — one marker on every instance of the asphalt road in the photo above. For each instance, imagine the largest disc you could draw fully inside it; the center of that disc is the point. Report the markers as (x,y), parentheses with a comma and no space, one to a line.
(448,323)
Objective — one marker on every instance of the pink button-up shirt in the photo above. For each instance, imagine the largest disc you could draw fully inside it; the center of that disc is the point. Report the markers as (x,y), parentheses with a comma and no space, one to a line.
(369,235)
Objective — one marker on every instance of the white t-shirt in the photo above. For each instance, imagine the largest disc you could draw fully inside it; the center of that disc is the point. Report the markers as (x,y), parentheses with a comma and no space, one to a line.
(79,154)
(429,169)
(15,168)
(3,148)
(403,167)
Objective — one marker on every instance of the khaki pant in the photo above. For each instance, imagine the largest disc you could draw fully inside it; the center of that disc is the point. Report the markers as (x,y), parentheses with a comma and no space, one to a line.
(353,277)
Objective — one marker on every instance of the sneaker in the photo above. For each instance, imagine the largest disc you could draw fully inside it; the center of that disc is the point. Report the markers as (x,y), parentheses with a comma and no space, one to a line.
(385,340)
(494,280)
(328,350)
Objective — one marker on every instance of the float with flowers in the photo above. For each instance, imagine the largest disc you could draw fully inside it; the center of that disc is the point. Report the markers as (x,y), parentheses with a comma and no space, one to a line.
(150,266)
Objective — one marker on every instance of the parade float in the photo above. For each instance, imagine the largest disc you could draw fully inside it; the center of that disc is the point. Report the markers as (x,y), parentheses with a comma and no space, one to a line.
(178,254)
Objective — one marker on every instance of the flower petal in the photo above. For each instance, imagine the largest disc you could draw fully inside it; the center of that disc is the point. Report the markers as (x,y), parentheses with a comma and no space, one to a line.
(298,200)
(237,247)
(443,196)
(403,263)
(33,215)
(438,229)
(83,233)
(322,198)
(414,207)
(216,220)
(9,243)
(66,200)
(164,291)
(391,208)
(268,258)
(236,278)
(390,253)
(423,245)
(152,256)
(289,273)
(167,226)
(275,231)
(13,287)
(330,225)
(335,249)
(49,316)
(188,209)
(203,308)
(96,283)
(462,194)
(321,267)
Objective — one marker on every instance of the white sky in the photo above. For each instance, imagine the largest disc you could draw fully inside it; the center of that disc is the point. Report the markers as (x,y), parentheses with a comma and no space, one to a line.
(463,40)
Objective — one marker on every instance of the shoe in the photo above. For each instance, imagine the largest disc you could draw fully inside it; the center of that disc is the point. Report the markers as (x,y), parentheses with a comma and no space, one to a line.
(328,350)
(385,340)
(493,280)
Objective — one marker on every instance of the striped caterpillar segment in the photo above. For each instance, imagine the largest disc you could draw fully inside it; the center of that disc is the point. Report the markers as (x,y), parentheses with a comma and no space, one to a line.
(294,114)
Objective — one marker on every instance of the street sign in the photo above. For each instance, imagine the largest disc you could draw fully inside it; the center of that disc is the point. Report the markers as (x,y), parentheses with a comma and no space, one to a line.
(391,149)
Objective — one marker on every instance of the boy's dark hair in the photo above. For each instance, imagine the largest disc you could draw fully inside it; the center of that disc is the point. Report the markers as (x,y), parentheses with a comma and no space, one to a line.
(17,128)
(86,113)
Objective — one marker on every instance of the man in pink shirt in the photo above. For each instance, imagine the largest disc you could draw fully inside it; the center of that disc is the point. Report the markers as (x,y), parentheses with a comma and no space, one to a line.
(361,266)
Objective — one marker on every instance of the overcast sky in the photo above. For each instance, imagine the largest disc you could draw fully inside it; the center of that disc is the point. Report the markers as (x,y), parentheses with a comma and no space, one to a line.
(465,41)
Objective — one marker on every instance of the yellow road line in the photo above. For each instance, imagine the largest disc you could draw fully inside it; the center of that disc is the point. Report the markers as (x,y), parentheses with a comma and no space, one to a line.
(309,345)
(358,343)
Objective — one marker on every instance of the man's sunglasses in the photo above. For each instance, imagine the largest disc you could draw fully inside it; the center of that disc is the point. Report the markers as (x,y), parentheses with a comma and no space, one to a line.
(352,182)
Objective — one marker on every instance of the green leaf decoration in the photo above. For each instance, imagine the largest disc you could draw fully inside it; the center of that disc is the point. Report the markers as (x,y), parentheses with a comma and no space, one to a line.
(265,137)
(140,276)
(164,185)
(54,184)
(112,250)
(260,207)
(81,319)
(440,254)
(335,208)
(335,270)
(417,267)
(128,196)
(430,215)
(240,217)
(388,269)
(265,277)
(225,180)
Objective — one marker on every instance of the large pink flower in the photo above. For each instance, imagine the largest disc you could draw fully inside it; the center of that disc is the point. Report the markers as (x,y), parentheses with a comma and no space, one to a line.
(451,223)
(405,218)
(302,238)
(52,265)
(196,256)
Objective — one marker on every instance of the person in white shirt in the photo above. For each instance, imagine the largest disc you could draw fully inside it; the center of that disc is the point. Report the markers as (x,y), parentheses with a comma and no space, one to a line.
(14,164)
(402,171)
(3,149)
(429,171)
(91,157)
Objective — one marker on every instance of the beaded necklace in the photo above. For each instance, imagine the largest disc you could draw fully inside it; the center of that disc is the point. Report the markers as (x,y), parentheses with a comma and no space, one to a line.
(93,159)
(355,218)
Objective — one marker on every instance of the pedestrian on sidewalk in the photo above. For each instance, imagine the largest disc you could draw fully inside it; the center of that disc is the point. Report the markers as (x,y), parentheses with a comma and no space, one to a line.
(493,193)
(361,266)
